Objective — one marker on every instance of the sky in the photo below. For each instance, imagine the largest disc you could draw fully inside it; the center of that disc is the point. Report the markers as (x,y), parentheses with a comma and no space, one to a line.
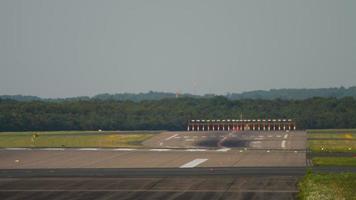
(64,48)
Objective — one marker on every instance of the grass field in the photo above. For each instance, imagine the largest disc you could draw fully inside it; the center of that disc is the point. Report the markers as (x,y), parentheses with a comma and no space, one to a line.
(338,140)
(73,139)
(327,186)
(333,131)
(334,161)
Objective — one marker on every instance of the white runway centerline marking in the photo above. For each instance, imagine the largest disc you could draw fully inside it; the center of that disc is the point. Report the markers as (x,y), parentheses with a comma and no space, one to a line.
(88,149)
(52,149)
(224,150)
(195,150)
(17,148)
(124,149)
(160,149)
(285,136)
(171,137)
(283,144)
(194,163)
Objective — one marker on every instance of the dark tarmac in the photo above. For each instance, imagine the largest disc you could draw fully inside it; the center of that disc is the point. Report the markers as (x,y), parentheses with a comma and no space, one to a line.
(217,187)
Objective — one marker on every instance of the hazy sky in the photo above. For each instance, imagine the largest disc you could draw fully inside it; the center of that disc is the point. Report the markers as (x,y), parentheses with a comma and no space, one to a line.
(83,47)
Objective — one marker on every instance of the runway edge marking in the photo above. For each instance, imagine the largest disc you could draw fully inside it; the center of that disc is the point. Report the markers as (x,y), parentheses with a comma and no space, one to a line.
(283,144)
(223,150)
(194,163)
(171,137)
(195,150)
(160,149)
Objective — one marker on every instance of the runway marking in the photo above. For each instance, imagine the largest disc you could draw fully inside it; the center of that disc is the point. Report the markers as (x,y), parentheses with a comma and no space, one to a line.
(193,163)
(52,149)
(224,150)
(285,136)
(17,149)
(283,144)
(87,149)
(124,149)
(171,137)
(195,150)
(278,136)
(160,149)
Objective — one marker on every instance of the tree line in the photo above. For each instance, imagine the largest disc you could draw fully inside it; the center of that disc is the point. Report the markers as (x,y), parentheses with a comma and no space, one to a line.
(170,114)
(286,94)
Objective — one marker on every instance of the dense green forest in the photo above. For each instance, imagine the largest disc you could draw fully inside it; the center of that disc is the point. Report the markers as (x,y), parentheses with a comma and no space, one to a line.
(286,94)
(169,114)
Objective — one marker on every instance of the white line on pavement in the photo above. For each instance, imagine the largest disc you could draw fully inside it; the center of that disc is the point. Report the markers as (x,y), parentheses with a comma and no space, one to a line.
(285,136)
(87,149)
(17,148)
(196,150)
(224,150)
(171,137)
(194,163)
(52,149)
(283,144)
(124,149)
(160,149)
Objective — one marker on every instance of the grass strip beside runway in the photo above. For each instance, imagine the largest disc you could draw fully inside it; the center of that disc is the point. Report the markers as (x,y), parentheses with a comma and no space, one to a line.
(337,140)
(328,186)
(73,139)
(334,161)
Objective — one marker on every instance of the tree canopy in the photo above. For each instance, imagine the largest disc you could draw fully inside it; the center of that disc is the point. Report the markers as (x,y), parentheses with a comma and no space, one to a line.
(169,114)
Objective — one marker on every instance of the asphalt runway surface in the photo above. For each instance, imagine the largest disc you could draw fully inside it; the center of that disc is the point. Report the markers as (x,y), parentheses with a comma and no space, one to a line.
(172,165)
(203,187)
(295,140)
(173,149)
(31,159)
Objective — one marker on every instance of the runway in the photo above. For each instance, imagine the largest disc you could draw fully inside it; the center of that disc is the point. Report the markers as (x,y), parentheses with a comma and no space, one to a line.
(291,140)
(171,165)
(31,159)
(178,188)
(173,150)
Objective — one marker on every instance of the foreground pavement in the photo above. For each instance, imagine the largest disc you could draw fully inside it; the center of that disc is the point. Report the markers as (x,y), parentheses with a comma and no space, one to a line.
(218,187)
